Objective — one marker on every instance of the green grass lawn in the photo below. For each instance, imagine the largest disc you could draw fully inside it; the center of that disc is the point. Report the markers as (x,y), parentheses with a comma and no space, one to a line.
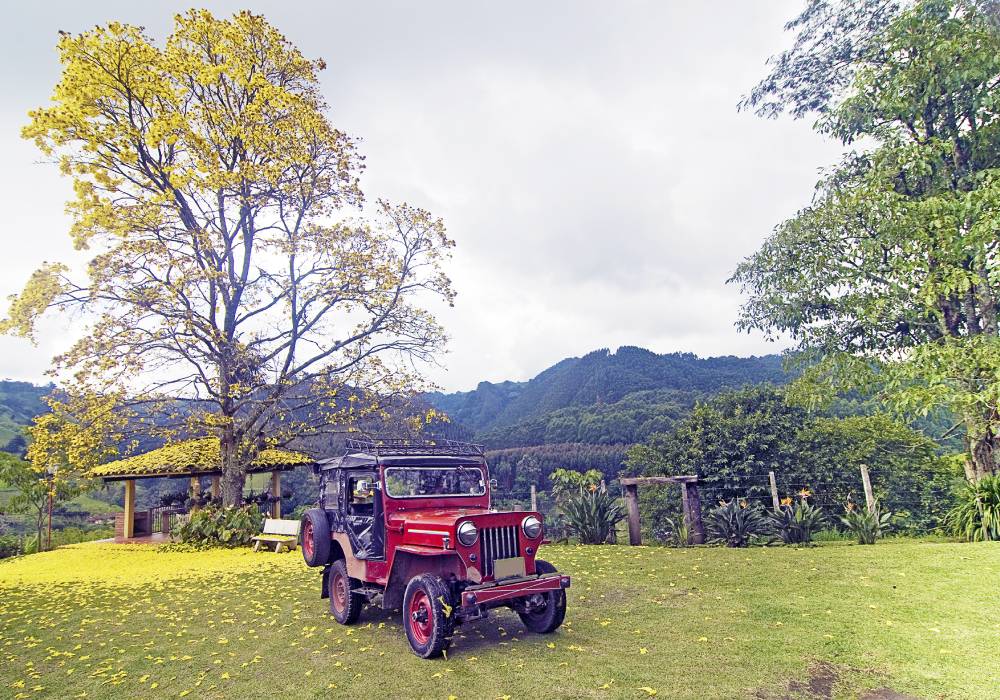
(102,621)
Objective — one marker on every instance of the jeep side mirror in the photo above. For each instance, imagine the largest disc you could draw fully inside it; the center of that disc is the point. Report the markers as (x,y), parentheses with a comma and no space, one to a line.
(493,484)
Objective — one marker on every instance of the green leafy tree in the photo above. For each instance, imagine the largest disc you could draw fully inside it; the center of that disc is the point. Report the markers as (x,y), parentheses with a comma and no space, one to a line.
(890,279)
(211,189)
(33,490)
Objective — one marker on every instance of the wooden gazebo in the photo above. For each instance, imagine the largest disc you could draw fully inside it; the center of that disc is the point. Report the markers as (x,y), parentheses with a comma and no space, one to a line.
(192,460)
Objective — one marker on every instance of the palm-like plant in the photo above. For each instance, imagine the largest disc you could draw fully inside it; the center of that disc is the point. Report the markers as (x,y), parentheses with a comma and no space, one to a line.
(977,515)
(866,524)
(592,515)
(735,523)
(795,524)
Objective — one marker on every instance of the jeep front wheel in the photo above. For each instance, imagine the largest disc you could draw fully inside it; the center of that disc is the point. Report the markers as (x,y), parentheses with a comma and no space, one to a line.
(315,537)
(547,613)
(427,615)
(345,606)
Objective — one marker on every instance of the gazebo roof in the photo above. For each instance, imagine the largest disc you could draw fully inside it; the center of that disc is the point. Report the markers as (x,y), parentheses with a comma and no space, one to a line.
(198,457)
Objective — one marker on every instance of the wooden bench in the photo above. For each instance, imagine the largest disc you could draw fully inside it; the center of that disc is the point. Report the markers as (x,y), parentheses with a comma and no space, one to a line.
(283,534)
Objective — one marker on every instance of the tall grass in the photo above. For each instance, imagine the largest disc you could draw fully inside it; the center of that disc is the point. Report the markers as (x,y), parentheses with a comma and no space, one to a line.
(977,515)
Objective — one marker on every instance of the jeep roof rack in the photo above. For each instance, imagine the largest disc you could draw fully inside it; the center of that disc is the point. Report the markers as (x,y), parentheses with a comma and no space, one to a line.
(385,447)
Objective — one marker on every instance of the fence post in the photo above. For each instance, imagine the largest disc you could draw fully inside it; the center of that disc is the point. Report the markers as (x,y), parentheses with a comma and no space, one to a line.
(866,479)
(632,503)
(691,505)
(534,498)
(774,491)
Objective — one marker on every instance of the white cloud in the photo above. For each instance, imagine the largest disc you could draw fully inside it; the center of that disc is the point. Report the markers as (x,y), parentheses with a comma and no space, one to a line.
(588,159)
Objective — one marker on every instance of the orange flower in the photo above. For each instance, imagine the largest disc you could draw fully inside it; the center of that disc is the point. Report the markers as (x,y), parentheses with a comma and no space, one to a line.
(805,493)
(787,501)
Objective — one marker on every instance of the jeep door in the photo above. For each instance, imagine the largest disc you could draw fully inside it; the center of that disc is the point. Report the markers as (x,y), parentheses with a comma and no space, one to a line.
(363,516)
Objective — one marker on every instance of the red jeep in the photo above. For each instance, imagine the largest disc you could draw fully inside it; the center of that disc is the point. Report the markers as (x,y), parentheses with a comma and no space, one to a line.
(409,526)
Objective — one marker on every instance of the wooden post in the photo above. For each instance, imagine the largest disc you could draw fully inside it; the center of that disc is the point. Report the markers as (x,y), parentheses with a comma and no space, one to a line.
(128,531)
(686,509)
(632,503)
(195,490)
(775,501)
(697,529)
(276,491)
(869,494)
(534,498)
(216,487)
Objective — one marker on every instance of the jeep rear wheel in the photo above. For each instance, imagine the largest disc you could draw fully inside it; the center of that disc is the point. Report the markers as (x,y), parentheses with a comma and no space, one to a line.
(315,537)
(345,606)
(427,615)
(547,613)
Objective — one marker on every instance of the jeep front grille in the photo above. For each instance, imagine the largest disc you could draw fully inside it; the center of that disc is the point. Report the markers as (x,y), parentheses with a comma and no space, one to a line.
(497,543)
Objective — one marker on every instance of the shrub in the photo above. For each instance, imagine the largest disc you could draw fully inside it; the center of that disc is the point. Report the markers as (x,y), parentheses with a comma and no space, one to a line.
(592,515)
(221,527)
(677,534)
(735,523)
(795,524)
(866,525)
(977,515)
(10,546)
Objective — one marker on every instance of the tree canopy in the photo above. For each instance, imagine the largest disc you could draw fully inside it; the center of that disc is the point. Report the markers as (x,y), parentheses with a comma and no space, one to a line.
(890,278)
(210,186)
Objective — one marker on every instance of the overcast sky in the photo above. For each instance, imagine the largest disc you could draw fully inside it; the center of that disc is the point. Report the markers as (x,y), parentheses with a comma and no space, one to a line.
(587,158)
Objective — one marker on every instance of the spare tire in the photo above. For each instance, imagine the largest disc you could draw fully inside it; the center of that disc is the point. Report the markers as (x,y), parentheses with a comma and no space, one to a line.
(315,537)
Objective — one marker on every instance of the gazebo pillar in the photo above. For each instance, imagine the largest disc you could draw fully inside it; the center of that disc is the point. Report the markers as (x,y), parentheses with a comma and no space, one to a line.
(195,489)
(128,529)
(276,491)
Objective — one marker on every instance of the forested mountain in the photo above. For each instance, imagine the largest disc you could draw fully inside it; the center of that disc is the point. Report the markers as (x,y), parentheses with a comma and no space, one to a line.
(19,403)
(600,398)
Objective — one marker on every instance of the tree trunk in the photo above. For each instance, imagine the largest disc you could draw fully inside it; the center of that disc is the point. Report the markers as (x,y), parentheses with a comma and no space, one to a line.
(983,455)
(233,469)
(39,527)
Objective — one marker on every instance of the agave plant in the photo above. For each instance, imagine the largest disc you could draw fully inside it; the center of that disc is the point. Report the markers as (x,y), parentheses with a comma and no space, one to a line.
(977,515)
(795,524)
(592,515)
(736,523)
(866,524)
(678,534)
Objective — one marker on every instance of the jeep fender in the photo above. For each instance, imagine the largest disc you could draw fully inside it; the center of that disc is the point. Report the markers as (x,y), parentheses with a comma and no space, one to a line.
(336,552)
(413,560)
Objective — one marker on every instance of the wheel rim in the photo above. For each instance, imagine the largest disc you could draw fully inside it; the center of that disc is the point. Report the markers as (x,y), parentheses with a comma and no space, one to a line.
(421,617)
(339,590)
(308,546)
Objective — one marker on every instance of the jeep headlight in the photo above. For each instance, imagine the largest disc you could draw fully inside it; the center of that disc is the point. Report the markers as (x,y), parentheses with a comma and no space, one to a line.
(532,527)
(467,533)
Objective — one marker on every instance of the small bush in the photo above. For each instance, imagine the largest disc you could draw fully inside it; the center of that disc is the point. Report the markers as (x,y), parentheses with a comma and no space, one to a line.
(796,524)
(677,534)
(866,525)
(221,527)
(977,515)
(11,546)
(736,523)
(592,515)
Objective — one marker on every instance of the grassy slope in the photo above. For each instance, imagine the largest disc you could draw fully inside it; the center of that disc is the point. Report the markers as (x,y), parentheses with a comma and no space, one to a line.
(111,621)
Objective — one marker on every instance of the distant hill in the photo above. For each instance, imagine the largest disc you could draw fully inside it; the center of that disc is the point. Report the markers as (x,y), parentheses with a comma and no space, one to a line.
(600,398)
(19,403)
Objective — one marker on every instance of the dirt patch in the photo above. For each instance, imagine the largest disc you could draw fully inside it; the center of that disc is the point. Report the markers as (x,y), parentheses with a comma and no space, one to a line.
(821,683)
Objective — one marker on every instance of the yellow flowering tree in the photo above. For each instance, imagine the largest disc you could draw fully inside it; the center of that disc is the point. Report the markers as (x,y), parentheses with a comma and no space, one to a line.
(211,187)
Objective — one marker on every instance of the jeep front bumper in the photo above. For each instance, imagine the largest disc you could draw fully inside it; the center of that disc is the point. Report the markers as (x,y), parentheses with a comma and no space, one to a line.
(491,594)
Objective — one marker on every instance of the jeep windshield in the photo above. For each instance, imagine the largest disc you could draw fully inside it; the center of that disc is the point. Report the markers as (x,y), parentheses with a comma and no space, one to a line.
(423,482)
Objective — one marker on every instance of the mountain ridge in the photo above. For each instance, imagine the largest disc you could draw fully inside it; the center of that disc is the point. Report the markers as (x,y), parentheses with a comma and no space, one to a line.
(597,379)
